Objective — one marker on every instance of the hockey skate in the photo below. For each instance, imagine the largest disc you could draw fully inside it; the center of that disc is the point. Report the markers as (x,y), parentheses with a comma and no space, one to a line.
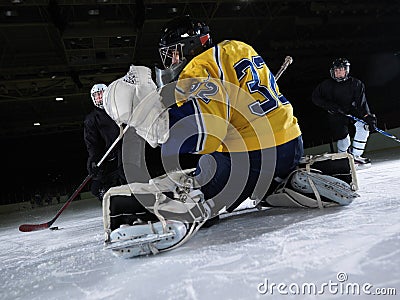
(362,162)
(143,239)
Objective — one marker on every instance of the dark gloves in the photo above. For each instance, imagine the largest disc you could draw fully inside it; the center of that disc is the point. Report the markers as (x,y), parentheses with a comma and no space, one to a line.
(97,189)
(94,169)
(370,119)
(335,110)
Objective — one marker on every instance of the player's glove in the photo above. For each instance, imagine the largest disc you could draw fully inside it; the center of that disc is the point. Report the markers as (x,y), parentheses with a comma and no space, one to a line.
(95,171)
(370,119)
(335,110)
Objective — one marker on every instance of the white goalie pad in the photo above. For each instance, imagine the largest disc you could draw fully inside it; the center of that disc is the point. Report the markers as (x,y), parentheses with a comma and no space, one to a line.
(313,188)
(186,202)
(338,165)
(290,198)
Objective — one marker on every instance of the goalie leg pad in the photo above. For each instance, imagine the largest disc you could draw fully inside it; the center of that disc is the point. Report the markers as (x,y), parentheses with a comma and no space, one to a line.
(174,196)
(126,210)
(328,187)
(289,198)
(311,189)
(177,195)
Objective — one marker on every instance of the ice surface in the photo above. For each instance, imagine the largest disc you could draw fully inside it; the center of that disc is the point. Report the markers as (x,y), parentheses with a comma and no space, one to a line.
(231,260)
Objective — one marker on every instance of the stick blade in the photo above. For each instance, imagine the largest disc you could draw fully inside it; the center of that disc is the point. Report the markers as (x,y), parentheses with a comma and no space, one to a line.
(33,227)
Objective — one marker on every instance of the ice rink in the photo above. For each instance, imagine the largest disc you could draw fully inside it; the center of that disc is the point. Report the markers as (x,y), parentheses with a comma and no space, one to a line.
(286,253)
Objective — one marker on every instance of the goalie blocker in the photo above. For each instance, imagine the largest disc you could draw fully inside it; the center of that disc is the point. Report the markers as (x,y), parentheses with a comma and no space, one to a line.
(178,205)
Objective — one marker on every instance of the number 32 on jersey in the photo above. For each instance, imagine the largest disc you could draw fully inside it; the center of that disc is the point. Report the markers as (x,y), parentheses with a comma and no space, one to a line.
(270,93)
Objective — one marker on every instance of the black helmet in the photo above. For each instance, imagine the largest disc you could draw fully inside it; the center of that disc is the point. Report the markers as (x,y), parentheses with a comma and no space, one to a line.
(340,63)
(185,36)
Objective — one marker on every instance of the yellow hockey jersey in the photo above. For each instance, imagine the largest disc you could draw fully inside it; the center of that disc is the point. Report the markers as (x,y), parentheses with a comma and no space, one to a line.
(236,100)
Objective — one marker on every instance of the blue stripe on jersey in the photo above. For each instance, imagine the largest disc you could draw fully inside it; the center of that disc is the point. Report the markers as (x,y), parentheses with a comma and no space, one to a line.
(272,82)
(281,98)
(182,92)
(200,126)
(218,62)
(217,58)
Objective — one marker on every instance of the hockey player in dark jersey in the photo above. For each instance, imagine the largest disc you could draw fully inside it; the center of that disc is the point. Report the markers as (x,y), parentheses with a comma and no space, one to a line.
(340,95)
(100,131)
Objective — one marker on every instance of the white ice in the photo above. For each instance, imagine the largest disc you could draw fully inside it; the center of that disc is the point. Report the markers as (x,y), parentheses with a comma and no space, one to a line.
(236,259)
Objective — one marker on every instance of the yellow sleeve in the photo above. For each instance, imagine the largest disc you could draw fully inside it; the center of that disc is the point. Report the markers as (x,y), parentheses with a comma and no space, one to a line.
(211,108)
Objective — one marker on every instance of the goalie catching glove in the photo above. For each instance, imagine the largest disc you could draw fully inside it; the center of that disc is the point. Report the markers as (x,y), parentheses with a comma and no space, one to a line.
(134,100)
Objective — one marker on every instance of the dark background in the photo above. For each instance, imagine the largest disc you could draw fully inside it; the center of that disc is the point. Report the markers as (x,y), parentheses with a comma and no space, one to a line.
(54,48)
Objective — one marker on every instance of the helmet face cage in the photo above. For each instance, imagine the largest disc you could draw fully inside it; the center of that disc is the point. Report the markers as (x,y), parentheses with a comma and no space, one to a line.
(185,37)
(338,64)
(171,55)
(96,94)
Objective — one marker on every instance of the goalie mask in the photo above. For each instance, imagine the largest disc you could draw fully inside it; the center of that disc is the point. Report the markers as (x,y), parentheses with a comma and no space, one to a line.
(97,94)
(182,39)
(338,65)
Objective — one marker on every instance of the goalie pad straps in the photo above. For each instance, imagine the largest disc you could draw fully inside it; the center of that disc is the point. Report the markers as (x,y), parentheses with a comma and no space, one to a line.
(290,198)
(329,187)
(299,190)
(316,193)
(310,188)
(186,202)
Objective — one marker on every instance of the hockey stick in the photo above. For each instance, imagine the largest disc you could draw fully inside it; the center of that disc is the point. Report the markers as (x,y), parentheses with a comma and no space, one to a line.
(35,227)
(286,63)
(376,128)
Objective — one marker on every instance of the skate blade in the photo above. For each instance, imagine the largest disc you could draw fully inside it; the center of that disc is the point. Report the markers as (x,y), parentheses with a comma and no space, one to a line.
(139,240)
(363,166)
(140,246)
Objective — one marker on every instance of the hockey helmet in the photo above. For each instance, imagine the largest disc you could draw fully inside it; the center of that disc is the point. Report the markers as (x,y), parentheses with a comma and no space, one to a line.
(97,94)
(337,64)
(183,38)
